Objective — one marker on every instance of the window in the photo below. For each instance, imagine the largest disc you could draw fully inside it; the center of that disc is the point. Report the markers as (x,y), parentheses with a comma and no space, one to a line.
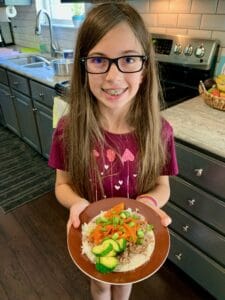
(61,13)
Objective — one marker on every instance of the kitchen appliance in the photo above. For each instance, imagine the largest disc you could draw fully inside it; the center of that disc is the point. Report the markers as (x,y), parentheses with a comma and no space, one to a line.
(182,62)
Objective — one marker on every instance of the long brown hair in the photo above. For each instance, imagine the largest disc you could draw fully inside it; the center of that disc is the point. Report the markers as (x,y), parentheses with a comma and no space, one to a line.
(82,127)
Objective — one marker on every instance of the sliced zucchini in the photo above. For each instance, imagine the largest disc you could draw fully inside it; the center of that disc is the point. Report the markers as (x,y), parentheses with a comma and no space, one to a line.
(122,244)
(114,244)
(102,269)
(109,262)
(102,249)
(112,253)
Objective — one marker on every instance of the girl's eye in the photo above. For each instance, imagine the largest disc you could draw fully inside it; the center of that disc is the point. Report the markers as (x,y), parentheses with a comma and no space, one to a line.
(97,60)
(129,59)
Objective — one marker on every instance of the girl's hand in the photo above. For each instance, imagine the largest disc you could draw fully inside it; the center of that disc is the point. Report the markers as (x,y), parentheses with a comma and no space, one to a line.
(165,219)
(75,211)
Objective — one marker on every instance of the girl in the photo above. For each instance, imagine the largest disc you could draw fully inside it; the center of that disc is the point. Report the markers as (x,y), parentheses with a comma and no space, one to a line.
(113,142)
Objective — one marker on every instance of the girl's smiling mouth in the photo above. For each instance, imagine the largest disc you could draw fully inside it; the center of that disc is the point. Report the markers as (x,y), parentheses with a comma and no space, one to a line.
(114,92)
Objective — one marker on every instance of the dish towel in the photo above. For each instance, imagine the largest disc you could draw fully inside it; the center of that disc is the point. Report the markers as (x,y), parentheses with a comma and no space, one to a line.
(60,108)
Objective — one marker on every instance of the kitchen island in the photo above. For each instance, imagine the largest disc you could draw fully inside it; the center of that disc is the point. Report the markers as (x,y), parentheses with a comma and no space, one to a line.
(197,202)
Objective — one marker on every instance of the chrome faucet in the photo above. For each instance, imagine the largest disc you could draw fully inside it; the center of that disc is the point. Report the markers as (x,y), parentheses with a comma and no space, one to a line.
(38,30)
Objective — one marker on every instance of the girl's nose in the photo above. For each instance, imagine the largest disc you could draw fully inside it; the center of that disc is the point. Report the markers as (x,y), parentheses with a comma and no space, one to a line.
(113,73)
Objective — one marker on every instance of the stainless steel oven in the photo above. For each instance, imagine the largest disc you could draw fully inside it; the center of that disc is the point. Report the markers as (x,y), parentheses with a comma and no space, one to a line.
(182,63)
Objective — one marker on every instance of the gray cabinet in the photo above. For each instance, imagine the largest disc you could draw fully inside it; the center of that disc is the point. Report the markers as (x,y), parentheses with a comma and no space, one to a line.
(197,208)
(26,106)
(20,92)
(44,122)
(43,103)
(9,116)
(25,114)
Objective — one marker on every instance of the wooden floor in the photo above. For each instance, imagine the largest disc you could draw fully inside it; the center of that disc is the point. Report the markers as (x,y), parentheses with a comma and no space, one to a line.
(35,264)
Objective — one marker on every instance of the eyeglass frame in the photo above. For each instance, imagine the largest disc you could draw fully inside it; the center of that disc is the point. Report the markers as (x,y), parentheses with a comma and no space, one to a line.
(111,61)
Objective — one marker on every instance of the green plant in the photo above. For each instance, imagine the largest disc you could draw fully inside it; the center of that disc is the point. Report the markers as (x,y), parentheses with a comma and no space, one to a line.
(78,9)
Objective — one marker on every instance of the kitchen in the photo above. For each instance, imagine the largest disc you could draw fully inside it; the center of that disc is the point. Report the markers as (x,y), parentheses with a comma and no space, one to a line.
(194,123)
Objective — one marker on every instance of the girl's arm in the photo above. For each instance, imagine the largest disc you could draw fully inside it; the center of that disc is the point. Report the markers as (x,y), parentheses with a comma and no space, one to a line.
(68,197)
(160,195)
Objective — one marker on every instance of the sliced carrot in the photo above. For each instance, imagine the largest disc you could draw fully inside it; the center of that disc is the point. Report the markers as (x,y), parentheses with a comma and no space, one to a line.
(115,210)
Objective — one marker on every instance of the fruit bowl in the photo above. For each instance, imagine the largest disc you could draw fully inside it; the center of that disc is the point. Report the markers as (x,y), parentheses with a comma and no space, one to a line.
(211,99)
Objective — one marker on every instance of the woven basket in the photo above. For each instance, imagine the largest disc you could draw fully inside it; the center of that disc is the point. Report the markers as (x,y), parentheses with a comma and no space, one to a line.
(213,101)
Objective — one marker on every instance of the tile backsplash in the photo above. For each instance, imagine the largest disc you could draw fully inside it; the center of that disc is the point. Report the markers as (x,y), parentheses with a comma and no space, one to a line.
(195,18)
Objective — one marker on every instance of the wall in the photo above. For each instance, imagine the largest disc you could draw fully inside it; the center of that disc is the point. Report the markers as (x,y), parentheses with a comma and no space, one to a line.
(196,18)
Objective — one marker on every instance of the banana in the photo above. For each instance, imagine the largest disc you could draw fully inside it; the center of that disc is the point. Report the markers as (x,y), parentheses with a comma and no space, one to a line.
(221,87)
(220,82)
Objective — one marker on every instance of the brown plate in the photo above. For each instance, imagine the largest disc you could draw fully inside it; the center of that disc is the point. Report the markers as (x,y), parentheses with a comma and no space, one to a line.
(159,255)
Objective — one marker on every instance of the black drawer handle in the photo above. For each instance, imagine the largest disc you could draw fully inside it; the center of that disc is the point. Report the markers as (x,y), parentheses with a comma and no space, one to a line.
(191,202)
(198,172)
(41,95)
(178,256)
(185,228)
(34,109)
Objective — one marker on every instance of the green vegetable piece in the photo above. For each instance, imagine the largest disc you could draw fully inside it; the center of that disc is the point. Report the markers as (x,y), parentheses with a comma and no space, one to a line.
(122,244)
(102,249)
(131,224)
(123,215)
(111,253)
(115,236)
(150,227)
(139,241)
(114,244)
(115,220)
(102,269)
(101,219)
(140,233)
(109,262)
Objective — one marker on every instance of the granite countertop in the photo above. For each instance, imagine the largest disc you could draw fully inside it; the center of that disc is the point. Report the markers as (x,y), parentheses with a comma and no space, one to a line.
(43,74)
(197,123)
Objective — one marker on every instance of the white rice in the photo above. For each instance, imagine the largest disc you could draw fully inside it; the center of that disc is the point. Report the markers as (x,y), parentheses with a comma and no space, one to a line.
(136,260)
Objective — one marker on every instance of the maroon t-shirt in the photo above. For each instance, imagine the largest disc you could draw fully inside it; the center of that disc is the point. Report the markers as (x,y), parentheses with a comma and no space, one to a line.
(117,161)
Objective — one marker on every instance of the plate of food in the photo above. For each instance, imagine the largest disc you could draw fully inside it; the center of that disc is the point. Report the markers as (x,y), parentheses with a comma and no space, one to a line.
(119,241)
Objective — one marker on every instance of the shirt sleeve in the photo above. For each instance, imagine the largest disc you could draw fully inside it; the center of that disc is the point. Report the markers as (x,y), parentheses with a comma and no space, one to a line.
(57,152)
(171,166)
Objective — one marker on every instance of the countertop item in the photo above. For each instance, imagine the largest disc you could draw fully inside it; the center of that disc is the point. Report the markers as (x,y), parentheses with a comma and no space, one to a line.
(195,122)
(42,74)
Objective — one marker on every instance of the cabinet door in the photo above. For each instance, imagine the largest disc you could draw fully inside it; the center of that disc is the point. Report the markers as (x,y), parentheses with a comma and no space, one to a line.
(202,170)
(203,237)
(8,109)
(42,93)
(3,76)
(26,119)
(19,83)
(44,122)
(198,203)
(198,266)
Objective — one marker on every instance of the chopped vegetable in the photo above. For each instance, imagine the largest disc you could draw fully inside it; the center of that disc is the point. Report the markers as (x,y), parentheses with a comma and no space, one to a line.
(114,229)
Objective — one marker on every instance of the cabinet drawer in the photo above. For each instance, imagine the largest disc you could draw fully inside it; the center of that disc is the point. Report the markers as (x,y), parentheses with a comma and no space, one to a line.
(203,237)
(202,170)
(198,266)
(19,83)
(3,76)
(42,93)
(198,203)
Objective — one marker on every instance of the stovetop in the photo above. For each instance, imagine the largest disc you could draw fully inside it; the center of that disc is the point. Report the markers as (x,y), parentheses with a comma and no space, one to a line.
(182,62)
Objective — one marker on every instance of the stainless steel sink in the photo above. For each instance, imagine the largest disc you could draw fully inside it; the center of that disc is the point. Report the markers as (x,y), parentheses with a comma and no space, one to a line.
(31,61)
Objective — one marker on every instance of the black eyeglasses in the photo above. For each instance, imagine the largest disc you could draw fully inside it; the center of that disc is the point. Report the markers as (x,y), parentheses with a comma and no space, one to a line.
(125,64)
